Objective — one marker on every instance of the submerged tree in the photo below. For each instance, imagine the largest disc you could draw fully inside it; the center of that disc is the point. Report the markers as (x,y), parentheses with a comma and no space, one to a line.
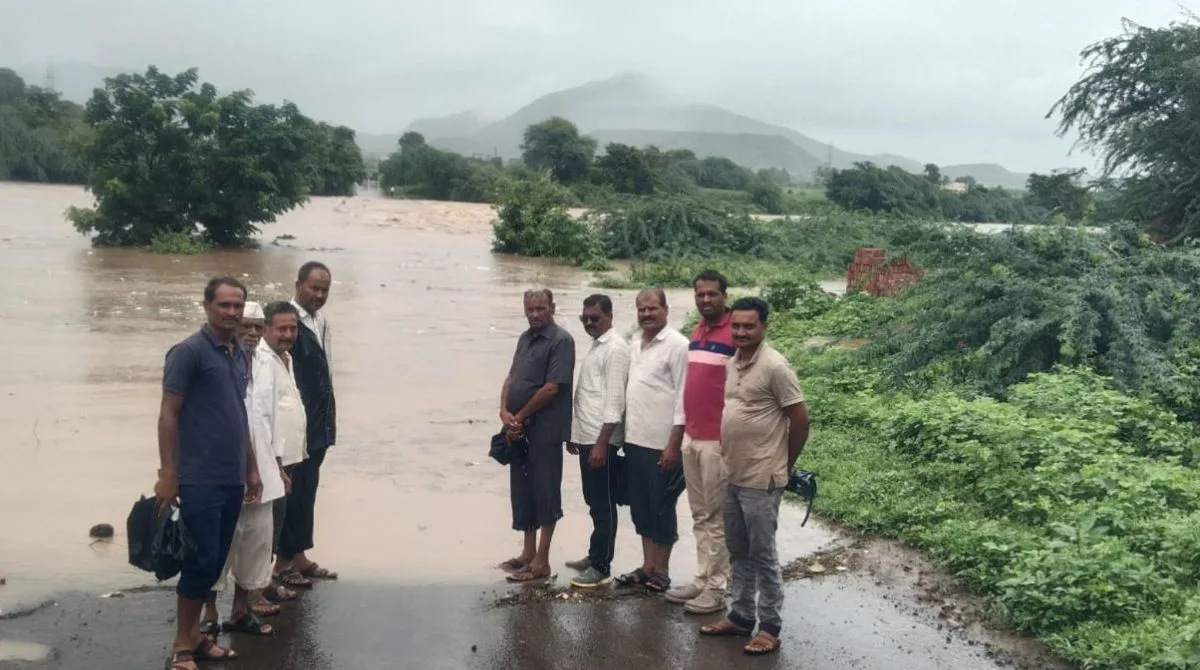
(167,156)
(1138,105)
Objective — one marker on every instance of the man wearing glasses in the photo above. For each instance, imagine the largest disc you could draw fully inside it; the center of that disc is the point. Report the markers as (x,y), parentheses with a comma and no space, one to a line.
(596,435)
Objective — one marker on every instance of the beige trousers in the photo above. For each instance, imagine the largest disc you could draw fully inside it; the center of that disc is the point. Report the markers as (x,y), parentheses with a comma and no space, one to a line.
(250,553)
(705,474)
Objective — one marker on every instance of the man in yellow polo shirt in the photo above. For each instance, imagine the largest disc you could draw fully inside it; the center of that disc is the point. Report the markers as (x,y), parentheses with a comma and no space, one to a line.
(763,430)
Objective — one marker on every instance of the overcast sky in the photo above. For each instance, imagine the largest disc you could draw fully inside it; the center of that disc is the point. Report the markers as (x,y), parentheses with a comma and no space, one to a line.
(936,80)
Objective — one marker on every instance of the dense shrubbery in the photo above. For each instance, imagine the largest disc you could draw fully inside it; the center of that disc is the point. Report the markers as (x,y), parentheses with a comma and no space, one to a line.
(869,188)
(554,148)
(1042,448)
(39,133)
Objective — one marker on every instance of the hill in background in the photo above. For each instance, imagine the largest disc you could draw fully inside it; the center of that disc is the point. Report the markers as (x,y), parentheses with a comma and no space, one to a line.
(632,109)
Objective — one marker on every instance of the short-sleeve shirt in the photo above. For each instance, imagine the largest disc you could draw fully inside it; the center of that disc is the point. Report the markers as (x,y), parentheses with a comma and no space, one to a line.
(654,395)
(213,424)
(709,352)
(754,428)
(544,356)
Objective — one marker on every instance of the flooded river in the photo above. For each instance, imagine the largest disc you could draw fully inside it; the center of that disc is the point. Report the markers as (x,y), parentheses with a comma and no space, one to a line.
(425,320)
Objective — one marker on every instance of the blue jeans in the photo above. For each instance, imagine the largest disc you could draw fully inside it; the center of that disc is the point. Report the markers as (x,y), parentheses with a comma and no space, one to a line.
(210,514)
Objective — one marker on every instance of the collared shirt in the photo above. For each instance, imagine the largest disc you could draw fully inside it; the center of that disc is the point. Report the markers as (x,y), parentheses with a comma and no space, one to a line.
(600,391)
(754,430)
(278,421)
(704,395)
(654,395)
(211,378)
(319,325)
(544,356)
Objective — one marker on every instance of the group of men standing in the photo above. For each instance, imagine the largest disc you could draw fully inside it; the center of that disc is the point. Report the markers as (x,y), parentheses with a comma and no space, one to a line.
(720,415)
(246,419)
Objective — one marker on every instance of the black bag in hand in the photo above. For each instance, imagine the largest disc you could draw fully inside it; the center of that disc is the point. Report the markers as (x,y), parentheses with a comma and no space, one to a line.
(158,544)
(506,453)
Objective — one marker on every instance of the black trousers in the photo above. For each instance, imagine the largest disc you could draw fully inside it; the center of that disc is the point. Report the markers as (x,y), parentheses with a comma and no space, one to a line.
(601,492)
(653,495)
(536,487)
(297,535)
(279,511)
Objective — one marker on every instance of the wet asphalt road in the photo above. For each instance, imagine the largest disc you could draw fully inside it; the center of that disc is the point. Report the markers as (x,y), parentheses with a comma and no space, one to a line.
(833,623)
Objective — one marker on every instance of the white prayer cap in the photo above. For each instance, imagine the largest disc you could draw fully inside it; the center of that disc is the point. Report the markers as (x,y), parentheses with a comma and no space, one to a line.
(253,310)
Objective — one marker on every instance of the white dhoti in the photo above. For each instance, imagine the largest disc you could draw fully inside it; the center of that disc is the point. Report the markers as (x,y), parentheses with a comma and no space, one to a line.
(250,554)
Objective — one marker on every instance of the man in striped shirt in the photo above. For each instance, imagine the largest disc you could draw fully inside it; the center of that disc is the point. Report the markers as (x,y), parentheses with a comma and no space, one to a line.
(709,352)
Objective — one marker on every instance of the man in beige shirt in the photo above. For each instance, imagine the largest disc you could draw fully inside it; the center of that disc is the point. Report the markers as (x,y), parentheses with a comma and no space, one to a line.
(763,430)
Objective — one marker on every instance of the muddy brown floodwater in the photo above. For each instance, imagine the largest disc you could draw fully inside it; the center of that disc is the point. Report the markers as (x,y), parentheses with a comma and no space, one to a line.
(424,319)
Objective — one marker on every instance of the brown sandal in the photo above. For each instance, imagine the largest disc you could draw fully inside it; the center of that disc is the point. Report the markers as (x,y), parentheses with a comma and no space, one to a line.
(314,571)
(182,660)
(266,609)
(205,652)
(764,643)
(293,579)
(724,628)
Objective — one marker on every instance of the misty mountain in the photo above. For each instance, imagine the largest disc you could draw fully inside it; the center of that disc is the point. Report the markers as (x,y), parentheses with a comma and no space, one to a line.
(633,109)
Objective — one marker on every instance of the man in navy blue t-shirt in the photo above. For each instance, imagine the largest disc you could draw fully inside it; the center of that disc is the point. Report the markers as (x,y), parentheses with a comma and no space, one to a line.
(207,464)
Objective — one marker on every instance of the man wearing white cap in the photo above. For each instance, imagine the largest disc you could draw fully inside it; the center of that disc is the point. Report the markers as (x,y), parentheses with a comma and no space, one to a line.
(250,553)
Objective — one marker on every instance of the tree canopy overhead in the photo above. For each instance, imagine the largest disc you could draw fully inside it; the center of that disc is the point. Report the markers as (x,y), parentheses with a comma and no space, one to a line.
(168,154)
(1138,106)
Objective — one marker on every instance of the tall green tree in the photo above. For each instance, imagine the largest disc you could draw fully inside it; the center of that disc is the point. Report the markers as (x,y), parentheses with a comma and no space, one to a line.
(1059,192)
(39,133)
(168,155)
(555,146)
(625,169)
(1138,105)
(339,161)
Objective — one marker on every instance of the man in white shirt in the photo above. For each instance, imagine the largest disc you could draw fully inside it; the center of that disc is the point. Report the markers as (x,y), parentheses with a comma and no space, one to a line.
(654,437)
(597,434)
(277,416)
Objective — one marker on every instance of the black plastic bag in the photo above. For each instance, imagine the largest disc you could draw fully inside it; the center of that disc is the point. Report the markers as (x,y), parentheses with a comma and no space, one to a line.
(505,452)
(158,544)
(140,528)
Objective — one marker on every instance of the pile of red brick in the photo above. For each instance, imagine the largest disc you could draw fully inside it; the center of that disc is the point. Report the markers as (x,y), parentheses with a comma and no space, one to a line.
(873,272)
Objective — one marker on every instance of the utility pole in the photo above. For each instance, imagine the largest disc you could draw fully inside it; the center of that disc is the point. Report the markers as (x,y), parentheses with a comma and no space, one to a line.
(50,77)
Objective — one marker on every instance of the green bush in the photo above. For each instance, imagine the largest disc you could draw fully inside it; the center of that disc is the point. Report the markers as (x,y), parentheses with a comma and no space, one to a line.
(178,244)
(532,220)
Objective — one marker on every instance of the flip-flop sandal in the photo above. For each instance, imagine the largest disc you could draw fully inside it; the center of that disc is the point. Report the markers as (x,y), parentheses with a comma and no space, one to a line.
(514,565)
(658,582)
(724,628)
(753,648)
(526,576)
(250,624)
(272,594)
(181,660)
(293,580)
(266,609)
(203,652)
(636,578)
(314,571)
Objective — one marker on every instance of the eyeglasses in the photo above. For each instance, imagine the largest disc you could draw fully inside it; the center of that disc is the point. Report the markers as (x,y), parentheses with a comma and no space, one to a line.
(588,318)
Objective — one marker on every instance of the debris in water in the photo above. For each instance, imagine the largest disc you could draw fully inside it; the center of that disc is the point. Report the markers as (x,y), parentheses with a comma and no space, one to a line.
(114,594)
(101,530)
(472,463)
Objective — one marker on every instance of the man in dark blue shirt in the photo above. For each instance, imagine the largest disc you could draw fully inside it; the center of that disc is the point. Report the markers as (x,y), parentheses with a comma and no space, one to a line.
(207,462)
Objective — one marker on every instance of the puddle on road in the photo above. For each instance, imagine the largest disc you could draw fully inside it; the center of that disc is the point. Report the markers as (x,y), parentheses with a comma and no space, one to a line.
(13,650)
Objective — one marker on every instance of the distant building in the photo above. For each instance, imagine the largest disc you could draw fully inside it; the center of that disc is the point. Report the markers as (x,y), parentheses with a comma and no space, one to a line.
(955,186)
